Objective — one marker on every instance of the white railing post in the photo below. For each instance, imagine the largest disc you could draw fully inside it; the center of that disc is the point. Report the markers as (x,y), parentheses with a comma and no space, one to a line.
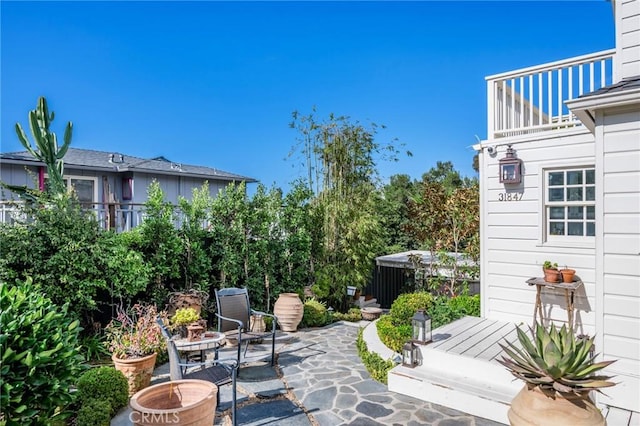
(491,109)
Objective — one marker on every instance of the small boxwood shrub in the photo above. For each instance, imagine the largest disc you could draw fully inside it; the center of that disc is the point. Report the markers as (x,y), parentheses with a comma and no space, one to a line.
(315,313)
(94,412)
(393,336)
(105,384)
(41,358)
(354,315)
(406,305)
(377,367)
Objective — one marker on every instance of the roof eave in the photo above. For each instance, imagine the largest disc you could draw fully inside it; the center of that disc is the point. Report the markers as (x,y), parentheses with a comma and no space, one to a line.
(584,108)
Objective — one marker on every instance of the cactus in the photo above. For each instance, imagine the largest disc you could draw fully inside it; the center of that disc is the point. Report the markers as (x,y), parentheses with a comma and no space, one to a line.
(46,144)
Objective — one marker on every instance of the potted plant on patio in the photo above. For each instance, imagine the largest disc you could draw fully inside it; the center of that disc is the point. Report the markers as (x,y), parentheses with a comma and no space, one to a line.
(559,371)
(551,273)
(187,322)
(134,340)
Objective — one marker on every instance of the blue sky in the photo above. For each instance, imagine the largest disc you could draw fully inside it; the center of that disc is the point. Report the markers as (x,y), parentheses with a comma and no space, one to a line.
(215,83)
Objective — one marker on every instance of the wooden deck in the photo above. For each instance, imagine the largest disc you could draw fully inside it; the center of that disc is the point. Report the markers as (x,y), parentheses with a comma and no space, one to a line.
(460,370)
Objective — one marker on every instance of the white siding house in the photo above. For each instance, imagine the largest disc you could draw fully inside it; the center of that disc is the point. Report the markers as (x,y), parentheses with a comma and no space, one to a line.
(575,126)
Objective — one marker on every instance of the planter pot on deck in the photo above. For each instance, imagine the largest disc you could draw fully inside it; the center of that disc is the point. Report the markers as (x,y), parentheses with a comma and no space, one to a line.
(180,402)
(533,406)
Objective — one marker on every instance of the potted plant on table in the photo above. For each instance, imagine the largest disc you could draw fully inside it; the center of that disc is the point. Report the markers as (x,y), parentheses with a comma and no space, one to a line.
(551,273)
(559,371)
(134,340)
(187,322)
(567,274)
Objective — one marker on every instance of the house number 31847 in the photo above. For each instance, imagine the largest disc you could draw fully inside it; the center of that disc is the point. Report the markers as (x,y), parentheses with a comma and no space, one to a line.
(510,196)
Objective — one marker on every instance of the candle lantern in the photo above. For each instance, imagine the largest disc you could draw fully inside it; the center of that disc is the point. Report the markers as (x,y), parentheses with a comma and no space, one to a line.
(409,355)
(421,325)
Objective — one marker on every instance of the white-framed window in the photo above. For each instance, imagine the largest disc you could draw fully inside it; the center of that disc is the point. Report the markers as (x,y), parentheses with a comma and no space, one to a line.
(570,203)
(86,188)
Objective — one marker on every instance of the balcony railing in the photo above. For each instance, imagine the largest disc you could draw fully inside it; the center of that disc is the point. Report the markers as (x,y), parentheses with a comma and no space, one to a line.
(531,100)
(117,217)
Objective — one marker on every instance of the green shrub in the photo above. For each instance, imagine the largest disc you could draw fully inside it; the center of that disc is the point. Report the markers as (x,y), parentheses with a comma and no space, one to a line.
(466,305)
(354,315)
(406,305)
(315,313)
(105,384)
(92,348)
(377,367)
(393,336)
(94,412)
(41,358)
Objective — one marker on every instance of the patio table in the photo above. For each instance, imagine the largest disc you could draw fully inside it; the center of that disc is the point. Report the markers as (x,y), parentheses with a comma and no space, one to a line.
(569,290)
(209,341)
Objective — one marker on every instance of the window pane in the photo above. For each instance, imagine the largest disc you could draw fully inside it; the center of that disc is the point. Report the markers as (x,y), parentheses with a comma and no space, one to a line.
(574,178)
(591,212)
(84,190)
(590,193)
(556,212)
(556,194)
(556,178)
(575,228)
(575,212)
(556,228)
(591,229)
(590,177)
(574,194)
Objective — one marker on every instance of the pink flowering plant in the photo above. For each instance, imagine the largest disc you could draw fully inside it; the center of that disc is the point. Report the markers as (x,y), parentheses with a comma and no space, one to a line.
(134,332)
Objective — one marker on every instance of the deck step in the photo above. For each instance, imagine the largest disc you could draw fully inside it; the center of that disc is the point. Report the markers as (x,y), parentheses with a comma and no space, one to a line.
(474,386)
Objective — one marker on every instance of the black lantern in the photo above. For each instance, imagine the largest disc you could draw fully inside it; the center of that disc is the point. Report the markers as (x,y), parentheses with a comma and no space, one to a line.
(510,168)
(421,325)
(409,355)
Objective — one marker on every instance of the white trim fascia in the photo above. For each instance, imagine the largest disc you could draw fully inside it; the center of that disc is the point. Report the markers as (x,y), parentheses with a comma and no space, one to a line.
(584,108)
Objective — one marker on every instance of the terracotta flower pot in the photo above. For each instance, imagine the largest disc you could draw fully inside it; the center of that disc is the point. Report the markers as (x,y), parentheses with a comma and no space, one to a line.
(138,371)
(180,402)
(533,406)
(552,275)
(567,275)
(289,310)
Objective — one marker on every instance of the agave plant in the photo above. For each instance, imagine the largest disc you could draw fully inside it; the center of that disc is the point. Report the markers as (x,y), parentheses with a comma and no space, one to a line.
(555,360)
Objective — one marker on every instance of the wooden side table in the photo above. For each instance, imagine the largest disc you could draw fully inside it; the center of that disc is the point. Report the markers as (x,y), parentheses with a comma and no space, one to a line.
(569,290)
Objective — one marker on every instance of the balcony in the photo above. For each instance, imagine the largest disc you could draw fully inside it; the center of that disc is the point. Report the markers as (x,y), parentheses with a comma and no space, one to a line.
(116,217)
(531,100)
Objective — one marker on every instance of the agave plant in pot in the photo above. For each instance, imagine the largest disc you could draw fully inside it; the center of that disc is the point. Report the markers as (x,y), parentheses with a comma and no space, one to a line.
(559,371)
(135,340)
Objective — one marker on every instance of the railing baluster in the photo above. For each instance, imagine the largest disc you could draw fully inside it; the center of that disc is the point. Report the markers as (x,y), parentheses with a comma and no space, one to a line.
(540,98)
(603,74)
(503,124)
(591,77)
(531,103)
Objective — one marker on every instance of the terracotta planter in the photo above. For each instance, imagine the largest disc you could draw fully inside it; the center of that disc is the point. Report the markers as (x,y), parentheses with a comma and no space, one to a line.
(138,371)
(181,402)
(567,275)
(289,310)
(552,275)
(533,406)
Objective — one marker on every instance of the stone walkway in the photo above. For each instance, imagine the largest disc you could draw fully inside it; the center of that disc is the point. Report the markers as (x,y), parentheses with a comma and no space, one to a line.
(319,380)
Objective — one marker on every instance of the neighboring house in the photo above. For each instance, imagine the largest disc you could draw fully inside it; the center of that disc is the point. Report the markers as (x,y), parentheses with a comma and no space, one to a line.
(112,183)
(574,130)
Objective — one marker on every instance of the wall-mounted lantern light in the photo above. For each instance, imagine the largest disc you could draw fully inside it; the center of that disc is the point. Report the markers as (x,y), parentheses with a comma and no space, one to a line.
(510,168)
(409,355)
(351,290)
(421,327)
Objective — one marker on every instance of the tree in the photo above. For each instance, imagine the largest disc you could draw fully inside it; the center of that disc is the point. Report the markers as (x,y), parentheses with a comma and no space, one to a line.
(341,156)
(394,213)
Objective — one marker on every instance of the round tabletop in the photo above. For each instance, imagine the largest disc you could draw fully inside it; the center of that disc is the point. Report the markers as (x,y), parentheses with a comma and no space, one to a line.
(209,340)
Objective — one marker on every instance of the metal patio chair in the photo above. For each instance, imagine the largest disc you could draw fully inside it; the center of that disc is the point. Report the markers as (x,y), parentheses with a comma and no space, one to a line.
(234,313)
(219,372)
